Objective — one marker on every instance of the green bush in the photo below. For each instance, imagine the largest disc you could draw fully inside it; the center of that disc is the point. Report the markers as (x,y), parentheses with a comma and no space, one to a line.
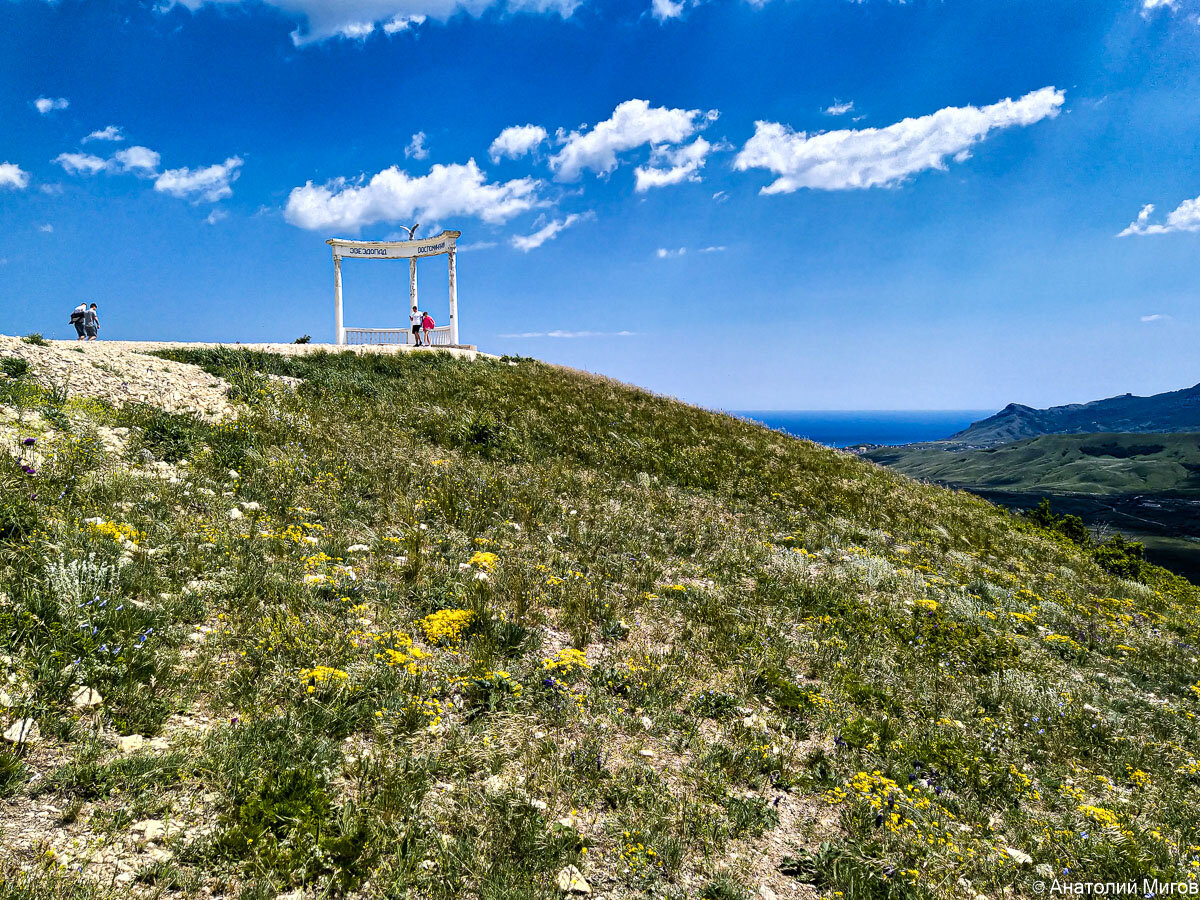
(1121,557)
(14,366)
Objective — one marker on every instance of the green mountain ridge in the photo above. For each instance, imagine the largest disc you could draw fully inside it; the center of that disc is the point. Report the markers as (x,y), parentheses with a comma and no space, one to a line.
(1172,411)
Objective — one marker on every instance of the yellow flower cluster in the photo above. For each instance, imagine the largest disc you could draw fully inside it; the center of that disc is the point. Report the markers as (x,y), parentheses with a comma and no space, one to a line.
(446,626)
(398,651)
(1101,816)
(322,675)
(637,856)
(483,560)
(117,532)
(566,661)
(1138,777)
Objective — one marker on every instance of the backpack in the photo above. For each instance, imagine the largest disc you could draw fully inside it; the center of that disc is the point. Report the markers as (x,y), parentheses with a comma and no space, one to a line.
(77,315)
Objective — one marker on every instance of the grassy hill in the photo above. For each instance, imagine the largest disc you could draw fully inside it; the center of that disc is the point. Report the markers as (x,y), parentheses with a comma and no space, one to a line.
(420,627)
(1089,463)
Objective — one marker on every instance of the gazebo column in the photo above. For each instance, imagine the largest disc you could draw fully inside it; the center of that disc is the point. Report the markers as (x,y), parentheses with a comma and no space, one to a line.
(453,301)
(412,287)
(339,333)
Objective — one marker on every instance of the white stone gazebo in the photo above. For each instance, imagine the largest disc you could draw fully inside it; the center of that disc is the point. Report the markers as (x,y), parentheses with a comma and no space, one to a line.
(442,335)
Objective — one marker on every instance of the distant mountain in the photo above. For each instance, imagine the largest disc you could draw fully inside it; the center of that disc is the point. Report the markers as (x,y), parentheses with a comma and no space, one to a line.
(1174,411)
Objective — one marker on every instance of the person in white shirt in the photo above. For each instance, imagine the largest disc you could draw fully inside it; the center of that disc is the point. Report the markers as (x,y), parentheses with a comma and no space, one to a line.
(414,319)
(78,315)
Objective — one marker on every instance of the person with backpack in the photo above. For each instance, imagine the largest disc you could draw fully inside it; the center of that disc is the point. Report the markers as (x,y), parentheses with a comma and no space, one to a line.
(78,314)
(91,323)
(427,326)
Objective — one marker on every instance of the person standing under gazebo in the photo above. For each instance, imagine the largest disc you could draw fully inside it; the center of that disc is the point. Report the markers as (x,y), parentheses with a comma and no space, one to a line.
(414,319)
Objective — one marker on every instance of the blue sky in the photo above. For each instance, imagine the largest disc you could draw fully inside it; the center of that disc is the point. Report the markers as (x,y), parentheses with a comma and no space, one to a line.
(789,204)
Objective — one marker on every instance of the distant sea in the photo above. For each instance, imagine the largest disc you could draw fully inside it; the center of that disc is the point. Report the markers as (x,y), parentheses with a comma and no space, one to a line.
(844,427)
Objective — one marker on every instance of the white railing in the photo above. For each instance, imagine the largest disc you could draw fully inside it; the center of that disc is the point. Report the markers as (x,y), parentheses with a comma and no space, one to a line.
(438,337)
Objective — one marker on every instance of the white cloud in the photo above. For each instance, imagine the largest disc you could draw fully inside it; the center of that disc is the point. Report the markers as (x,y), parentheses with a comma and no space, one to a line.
(217,215)
(108,133)
(13,176)
(837,108)
(683,164)
(569,334)
(46,229)
(402,23)
(666,9)
(632,124)
(664,253)
(51,190)
(81,163)
(394,195)
(716,249)
(416,148)
(1185,217)
(721,197)
(548,232)
(477,245)
(1157,317)
(356,31)
(885,157)
(47,105)
(318,20)
(515,141)
(210,184)
(1149,5)
(140,160)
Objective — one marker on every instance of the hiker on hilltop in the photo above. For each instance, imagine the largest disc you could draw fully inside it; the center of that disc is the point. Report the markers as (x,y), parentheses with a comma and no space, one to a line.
(91,323)
(78,314)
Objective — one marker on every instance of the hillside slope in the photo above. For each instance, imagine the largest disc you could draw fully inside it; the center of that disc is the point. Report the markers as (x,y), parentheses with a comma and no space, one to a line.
(1093,464)
(1166,412)
(425,627)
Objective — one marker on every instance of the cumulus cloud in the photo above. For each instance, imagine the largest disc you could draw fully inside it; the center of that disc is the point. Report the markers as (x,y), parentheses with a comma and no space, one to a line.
(13,177)
(47,105)
(548,232)
(139,160)
(672,165)
(666,9)
(633,123)
(664,253)
(394,195)
(416,148)
(318,20)
(401,23)
(516,141)
(1185,217)
(837,108)
(217,215)
(1151,5)
(108,133)
(569,334)
(81,163)
(885,157)
(46,229)
(208,185)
